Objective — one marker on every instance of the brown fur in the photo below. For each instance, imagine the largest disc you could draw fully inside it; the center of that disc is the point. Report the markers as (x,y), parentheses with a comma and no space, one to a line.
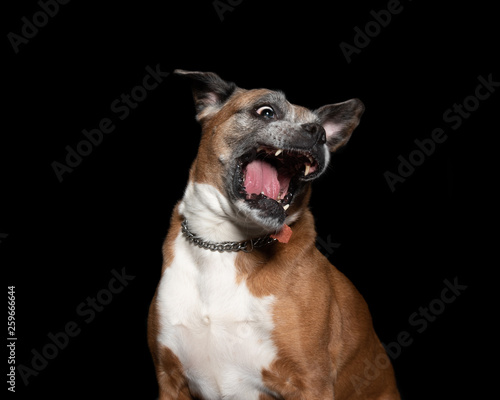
(316,308)
(323,330)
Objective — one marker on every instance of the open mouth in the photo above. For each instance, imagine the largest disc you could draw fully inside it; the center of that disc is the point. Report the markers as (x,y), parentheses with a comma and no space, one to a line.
(269,177)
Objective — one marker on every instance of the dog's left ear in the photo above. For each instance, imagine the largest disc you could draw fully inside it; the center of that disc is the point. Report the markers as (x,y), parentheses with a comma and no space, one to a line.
(339,120)
(210,91)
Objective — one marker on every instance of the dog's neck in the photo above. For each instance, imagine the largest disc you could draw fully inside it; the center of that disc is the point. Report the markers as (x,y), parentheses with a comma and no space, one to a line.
(212,217)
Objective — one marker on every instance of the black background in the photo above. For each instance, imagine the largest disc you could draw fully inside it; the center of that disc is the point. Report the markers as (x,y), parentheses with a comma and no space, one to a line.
(61,240)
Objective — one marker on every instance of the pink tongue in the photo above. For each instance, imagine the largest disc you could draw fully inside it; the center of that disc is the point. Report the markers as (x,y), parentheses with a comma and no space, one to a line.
(262,177)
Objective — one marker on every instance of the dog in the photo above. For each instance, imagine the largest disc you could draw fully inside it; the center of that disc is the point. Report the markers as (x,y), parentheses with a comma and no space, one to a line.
(247,307)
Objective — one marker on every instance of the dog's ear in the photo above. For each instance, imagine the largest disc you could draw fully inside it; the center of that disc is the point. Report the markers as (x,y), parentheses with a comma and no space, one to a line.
(339,120)
(209,91)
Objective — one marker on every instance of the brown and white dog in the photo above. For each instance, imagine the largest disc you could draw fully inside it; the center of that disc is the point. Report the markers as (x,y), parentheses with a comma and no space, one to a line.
(247,307)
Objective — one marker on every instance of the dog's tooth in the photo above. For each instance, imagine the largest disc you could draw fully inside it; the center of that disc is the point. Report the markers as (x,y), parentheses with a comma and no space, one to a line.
(285,207)
(310,159)
(306,171)
(278,152)
(260,148)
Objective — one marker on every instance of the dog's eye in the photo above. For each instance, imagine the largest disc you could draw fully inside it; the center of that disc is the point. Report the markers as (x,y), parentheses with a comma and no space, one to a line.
(266,112)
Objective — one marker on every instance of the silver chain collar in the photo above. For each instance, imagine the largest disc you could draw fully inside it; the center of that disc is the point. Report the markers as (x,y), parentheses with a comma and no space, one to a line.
(246,245)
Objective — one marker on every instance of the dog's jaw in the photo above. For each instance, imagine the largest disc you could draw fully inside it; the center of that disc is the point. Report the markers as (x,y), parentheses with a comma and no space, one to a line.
(266,182)
(223,210)
(212,216)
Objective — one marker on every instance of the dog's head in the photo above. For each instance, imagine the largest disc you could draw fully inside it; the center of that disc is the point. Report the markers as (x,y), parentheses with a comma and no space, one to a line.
(260,151)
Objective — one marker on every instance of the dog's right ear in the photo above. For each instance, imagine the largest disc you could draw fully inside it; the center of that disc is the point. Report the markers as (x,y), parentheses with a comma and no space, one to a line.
(210,91)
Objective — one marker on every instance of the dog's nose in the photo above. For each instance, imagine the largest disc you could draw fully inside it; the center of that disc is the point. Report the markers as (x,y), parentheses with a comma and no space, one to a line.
(316,131)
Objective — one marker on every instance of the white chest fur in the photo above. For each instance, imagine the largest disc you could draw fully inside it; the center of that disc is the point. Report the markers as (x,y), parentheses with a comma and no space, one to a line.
(220,332)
